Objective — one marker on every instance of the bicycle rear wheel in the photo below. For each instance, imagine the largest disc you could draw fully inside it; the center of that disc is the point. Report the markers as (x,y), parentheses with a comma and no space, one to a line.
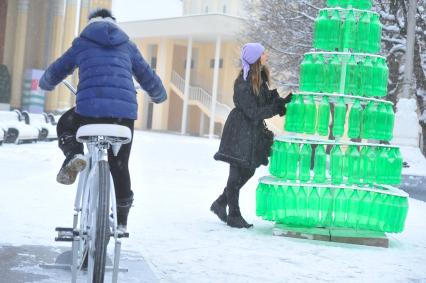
(99,228)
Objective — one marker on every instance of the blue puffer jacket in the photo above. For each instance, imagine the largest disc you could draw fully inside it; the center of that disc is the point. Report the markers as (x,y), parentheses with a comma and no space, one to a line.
(107,60)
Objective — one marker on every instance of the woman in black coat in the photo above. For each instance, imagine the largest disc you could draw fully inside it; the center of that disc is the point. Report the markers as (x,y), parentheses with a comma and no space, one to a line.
(246,141)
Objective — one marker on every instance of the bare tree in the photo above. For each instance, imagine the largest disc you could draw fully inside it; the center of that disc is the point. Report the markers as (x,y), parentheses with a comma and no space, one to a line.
(285,27)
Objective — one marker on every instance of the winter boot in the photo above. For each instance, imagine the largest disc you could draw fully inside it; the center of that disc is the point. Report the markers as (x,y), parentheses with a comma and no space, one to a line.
(123,208)
(236,220)
(73,164)
(218,207)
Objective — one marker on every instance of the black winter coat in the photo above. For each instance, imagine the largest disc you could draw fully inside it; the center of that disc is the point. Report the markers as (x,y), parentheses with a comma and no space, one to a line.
(244,142)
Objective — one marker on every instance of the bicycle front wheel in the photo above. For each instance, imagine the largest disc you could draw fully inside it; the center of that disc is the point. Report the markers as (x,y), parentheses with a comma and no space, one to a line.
(99,230)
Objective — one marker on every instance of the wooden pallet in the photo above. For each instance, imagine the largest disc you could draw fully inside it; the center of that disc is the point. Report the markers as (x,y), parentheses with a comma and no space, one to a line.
(339,235)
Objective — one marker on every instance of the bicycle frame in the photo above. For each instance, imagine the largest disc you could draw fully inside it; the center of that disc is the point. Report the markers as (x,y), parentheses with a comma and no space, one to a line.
(87,189)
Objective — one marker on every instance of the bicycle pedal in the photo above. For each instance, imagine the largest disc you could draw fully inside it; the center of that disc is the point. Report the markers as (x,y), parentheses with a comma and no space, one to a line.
(63,229)
(123,235)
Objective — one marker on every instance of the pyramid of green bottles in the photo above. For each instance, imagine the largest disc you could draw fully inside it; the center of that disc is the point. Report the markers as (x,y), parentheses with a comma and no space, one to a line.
(346,78)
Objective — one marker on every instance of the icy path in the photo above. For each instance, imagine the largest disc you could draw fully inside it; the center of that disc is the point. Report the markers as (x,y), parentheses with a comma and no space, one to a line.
(175,180)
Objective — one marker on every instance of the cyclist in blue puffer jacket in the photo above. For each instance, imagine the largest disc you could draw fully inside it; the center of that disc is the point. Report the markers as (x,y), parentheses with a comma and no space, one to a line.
(107,61)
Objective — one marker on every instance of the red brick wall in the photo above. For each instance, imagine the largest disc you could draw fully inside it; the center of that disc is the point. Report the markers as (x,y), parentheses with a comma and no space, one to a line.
(3,13)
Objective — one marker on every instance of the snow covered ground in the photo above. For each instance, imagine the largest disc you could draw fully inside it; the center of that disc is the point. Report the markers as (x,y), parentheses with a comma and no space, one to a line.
(175,179)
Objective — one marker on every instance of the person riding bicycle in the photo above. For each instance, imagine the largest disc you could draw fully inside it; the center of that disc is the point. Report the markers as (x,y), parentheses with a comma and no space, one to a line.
(107,61)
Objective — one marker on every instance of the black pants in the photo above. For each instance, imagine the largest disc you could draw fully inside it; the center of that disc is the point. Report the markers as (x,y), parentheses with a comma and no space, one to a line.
(67,128)
(238,176)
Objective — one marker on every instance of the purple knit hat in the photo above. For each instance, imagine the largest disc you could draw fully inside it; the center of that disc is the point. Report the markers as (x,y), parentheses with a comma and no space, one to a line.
(249,55)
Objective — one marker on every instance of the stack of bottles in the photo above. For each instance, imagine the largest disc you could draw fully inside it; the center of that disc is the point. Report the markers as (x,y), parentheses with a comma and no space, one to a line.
(365,75)
(375,122)
(339,30)
(323,206)
(358,4)
(370,165)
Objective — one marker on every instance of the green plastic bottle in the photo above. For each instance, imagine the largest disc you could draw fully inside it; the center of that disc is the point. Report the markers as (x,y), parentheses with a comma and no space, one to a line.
(273,164)
(326,198)
(290,205)
(351,82)
(395,166)
(353,209)
(349,31)
(336,165)
(364,209)
(307,73)
(281,165)
(339,117)
(344,3)
(382,166)
(332,3)
(355,120)
(373,220)
(299,111)
(384,72)
(367,77)
(345,162)
(381,122)
(292,161)
(320,162)
(323,117)
(290,117)
(340,208)
(320,32)
(305,163)
(271,203)
(280,204)
(354,160)
(302,207)
(334,74)
(375,34)
(368,165)
(260,202)
(369,121)
(390,120)
(310,115)
(320,73)
(365,4)
(335,31)
(313,207)
(363,32)
(377,77)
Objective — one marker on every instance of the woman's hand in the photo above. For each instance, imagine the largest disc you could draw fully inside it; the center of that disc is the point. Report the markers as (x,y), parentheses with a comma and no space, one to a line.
(288,98)
(280,104)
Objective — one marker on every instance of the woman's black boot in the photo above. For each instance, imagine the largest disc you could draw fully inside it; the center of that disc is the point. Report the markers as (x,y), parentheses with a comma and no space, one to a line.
(218,207)
(236,220)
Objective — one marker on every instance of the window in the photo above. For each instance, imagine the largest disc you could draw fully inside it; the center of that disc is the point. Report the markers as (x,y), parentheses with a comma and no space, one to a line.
(192,64)
(224,9)
(153,62)
(220,63)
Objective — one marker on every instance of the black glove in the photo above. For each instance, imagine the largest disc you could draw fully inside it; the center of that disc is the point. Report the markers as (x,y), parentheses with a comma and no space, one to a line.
(288,98)
(274,93)
(279,106)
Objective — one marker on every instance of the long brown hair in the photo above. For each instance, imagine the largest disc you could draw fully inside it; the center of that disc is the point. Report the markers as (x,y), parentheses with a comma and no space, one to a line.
(256,76)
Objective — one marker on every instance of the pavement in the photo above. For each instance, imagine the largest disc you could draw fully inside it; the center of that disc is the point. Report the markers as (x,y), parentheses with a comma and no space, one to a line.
(415,186)
(19,264)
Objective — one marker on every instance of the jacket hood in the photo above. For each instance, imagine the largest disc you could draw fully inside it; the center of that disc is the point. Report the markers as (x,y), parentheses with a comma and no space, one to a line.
(105,33)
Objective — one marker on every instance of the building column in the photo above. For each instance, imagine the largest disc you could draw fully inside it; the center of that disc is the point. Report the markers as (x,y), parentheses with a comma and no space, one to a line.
(65,98)
(84,15)
(202,121)
(97,4)
(215,86)
(58,7)
(186,89)
(164,70)
(19,53)
(3,16)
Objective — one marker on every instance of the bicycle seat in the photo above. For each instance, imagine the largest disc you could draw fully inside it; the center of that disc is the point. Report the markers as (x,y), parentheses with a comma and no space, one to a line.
(113,133)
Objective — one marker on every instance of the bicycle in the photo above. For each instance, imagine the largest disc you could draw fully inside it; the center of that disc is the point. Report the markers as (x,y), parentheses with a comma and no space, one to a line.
(93,225)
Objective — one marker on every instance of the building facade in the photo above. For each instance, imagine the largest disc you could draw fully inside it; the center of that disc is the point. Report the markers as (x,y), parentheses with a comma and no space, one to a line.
(196,55)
